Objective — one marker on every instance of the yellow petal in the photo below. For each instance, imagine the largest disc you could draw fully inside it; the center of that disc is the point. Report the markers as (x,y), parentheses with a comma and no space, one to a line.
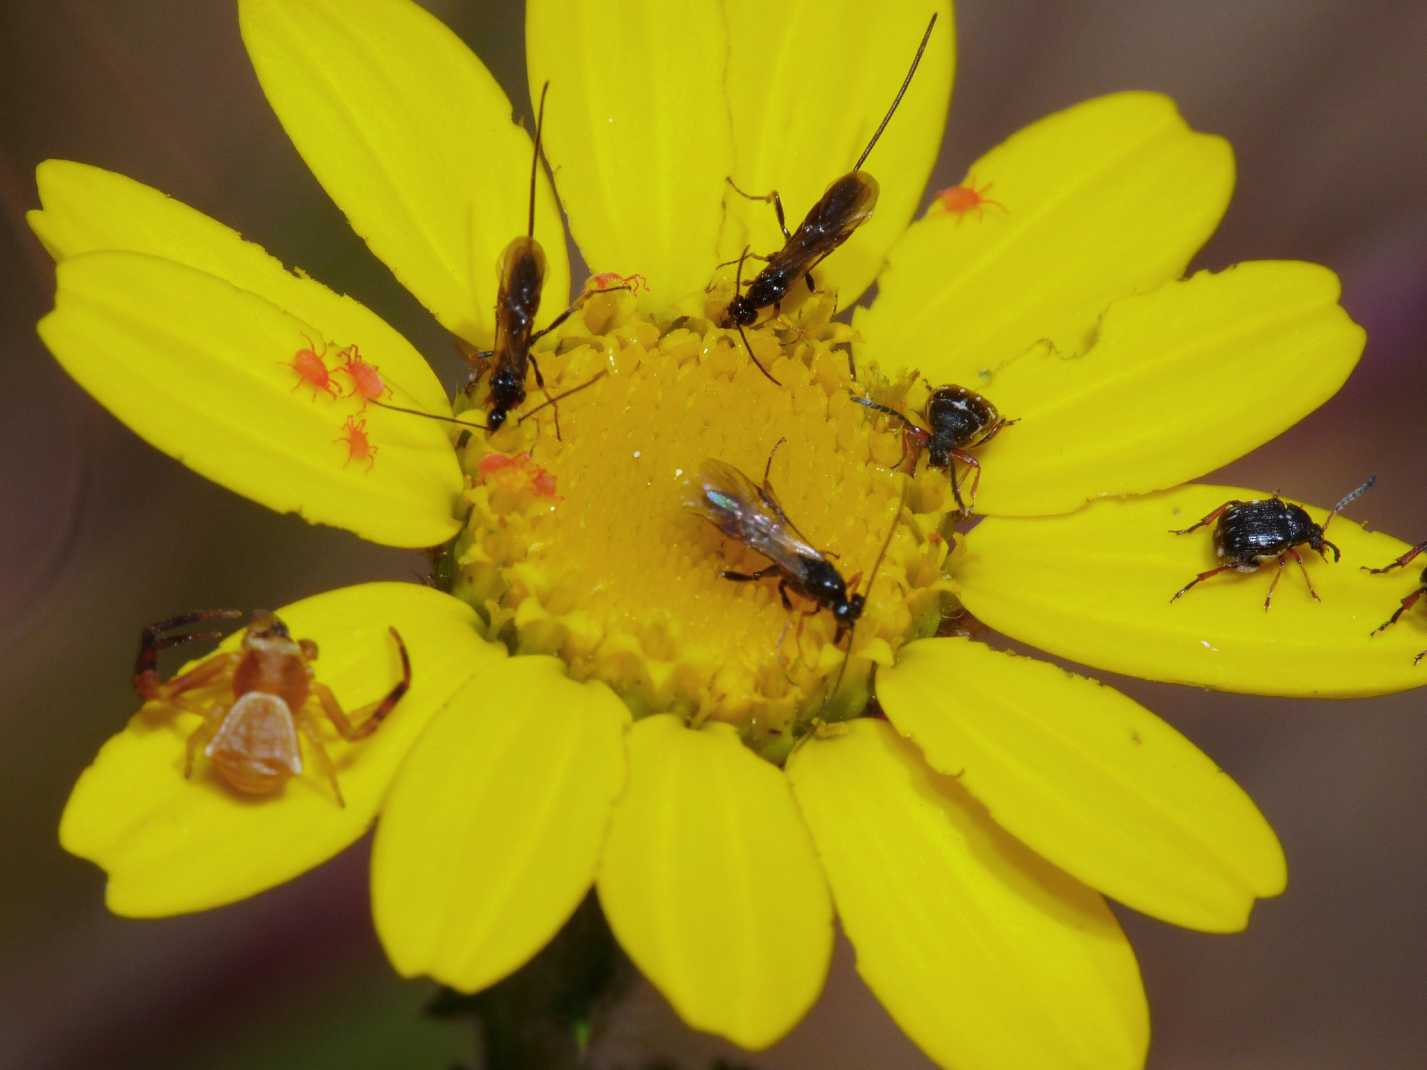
(493,829)
(1177,383)
(1095,587)
(710,883)
(172,845)
(636,132)
(200,370)
(1089,779)
(412,138)
(985,955)
(87,209)
(806,90)
(1105,199)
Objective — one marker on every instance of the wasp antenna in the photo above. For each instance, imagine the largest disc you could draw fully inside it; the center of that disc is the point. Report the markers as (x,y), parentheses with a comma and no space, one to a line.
(428,415)
(898,98)
(737,287)
(561,397)
(871,579)
(1348,499)
(535,159)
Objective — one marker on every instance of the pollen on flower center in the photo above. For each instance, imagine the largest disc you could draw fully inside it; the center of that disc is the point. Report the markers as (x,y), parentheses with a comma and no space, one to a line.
(583,546)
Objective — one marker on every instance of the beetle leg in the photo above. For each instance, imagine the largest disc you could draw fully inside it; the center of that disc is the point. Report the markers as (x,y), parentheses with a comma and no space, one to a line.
(1268,598)
(1200,578)
(1304,569)
(1401,561)
(1407,604)
(1210,518)
(970,462)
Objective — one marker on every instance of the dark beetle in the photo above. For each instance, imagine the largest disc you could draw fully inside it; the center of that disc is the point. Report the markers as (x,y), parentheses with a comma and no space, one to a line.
(959,419)
(1249,534)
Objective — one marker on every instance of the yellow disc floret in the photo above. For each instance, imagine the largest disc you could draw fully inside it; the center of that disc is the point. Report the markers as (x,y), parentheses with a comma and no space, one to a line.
(583,545)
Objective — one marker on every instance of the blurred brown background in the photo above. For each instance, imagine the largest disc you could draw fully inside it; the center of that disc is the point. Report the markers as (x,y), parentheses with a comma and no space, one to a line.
(1326,104)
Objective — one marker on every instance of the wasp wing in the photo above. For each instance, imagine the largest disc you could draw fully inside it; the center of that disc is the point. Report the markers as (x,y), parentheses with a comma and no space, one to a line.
(734,504)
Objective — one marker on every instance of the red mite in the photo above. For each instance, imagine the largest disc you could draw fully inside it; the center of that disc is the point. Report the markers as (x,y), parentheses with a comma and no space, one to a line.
(359,447)
(962,200)
(519,467)
(311,369)
(250,735)
(366,380)
(613,279)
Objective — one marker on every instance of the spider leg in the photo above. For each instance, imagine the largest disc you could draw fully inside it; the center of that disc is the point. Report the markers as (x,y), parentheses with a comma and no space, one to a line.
(308,727)
(199,737)
(369,717)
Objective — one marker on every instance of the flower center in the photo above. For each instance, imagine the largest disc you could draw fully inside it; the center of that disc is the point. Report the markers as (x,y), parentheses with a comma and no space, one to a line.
(584,545)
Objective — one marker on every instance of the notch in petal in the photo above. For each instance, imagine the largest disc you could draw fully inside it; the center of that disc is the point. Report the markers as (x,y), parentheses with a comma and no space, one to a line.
(411,137)
(1089,779)
(710,883)
(986,955)
(1095,587)
(1176,383)
(494,826)
(205,372)
(1105,199)
(172,845)
(806,89)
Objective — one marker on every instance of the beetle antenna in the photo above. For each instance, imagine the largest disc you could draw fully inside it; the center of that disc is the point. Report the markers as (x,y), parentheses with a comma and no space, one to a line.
(898,99)
(561,397)
(737,287)
(428,415)
(871,579)
(535,159)
(887,410)
(1348,499)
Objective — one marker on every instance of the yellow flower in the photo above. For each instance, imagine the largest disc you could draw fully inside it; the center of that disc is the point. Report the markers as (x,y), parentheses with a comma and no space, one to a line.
(964,841)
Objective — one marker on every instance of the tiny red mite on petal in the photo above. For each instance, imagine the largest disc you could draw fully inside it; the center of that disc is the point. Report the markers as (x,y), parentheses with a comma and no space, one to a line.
(311,369)
(359,446)
(367,382)
(961,200)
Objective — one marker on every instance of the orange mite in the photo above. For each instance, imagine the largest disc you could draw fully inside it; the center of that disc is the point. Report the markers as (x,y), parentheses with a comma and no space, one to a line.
(960,200)
(250,735)
(359,447)
(502,465)
(311,369)
(366,380)
(614,280)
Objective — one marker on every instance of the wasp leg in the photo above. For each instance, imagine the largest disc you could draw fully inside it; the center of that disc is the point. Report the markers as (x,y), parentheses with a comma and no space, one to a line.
(770,197)
(1400,562)
(1200,579)
(744,577)
(1407,603)
(1210,518)
(736,259)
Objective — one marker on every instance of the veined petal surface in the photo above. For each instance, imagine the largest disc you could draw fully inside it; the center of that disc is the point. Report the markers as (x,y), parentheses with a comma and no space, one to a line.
(1095,586)
(710,883)
(637,133)
(1173,386)
(1105,199)
(172,845)
(985,955)
(412,138)
(1089,779)
(493,829)
(806,90)
(201,370)
(88,209)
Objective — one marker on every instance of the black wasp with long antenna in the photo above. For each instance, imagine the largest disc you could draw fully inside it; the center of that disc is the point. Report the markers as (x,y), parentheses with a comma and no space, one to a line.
(844,206)
(522,278)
